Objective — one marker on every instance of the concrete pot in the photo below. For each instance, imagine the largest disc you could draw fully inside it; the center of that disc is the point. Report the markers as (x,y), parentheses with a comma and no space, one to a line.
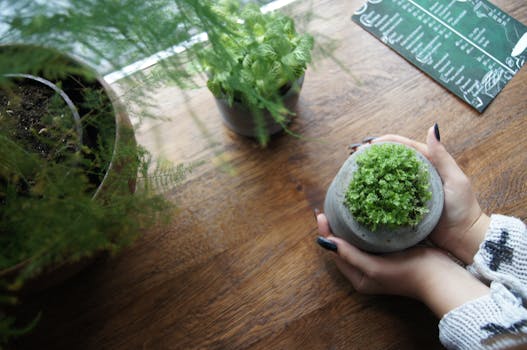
(382,240)
(239,118)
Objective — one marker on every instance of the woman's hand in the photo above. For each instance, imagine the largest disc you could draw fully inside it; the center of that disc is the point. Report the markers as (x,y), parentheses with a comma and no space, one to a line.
(426,274)
(462,226)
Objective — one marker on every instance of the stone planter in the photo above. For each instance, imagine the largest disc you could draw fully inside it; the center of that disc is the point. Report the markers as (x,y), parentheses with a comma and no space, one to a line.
(239,118)
(383,240)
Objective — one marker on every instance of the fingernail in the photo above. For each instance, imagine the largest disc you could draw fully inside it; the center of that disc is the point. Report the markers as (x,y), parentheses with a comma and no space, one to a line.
(326,244)
(353,147)
(316,212)
(436,132)
(369,139)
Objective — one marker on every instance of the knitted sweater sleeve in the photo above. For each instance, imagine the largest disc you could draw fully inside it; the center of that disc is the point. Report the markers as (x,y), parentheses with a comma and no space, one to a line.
(502,256)
(499,319)
(495,321)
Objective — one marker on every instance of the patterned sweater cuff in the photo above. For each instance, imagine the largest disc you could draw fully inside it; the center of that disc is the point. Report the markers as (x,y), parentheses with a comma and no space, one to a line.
(495,321)
(502,256)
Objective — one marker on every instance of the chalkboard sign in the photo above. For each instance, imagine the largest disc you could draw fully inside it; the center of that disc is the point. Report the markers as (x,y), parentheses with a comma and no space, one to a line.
(470,47)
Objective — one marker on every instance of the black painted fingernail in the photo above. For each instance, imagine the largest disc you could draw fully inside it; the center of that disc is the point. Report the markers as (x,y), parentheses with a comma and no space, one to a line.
(316,212)
(353,147)
(436,132)
(369,139)
(326,244)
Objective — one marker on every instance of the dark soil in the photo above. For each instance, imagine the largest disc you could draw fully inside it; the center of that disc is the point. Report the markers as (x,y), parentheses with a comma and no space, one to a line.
(41,124)
(35,116)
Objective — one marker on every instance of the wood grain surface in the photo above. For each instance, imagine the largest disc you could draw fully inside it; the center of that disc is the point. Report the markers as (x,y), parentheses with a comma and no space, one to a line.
(238,266)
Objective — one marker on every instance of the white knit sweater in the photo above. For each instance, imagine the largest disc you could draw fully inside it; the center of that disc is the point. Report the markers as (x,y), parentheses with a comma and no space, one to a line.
(497,320)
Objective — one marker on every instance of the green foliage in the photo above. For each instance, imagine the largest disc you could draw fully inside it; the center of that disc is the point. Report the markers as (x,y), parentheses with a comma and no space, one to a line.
(260,51)
(53,208)
(390,187)
(48,211)
(8,329)
(255,57)
(106,33)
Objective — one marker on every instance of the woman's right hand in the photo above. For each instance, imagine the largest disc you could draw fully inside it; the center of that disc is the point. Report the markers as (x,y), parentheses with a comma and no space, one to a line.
(463,224)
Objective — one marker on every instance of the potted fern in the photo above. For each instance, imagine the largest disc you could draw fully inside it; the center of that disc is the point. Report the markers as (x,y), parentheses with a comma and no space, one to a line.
(68,173)
(69,169)
(256,68)
(386,197)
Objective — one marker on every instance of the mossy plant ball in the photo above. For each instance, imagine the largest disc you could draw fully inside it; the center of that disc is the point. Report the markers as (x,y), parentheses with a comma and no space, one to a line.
(386,197)
(390,188)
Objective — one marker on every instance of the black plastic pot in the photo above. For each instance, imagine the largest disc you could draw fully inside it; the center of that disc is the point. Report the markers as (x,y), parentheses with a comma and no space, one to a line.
(240,119)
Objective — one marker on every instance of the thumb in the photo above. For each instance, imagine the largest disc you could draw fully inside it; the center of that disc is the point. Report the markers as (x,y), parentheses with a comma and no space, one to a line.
(354,256)
(442,160)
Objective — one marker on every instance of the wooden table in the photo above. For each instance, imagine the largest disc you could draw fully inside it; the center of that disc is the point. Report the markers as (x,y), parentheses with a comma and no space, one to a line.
(238,266)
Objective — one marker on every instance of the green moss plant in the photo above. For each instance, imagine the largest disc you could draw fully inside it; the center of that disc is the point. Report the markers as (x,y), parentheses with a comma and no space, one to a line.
(390,188)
